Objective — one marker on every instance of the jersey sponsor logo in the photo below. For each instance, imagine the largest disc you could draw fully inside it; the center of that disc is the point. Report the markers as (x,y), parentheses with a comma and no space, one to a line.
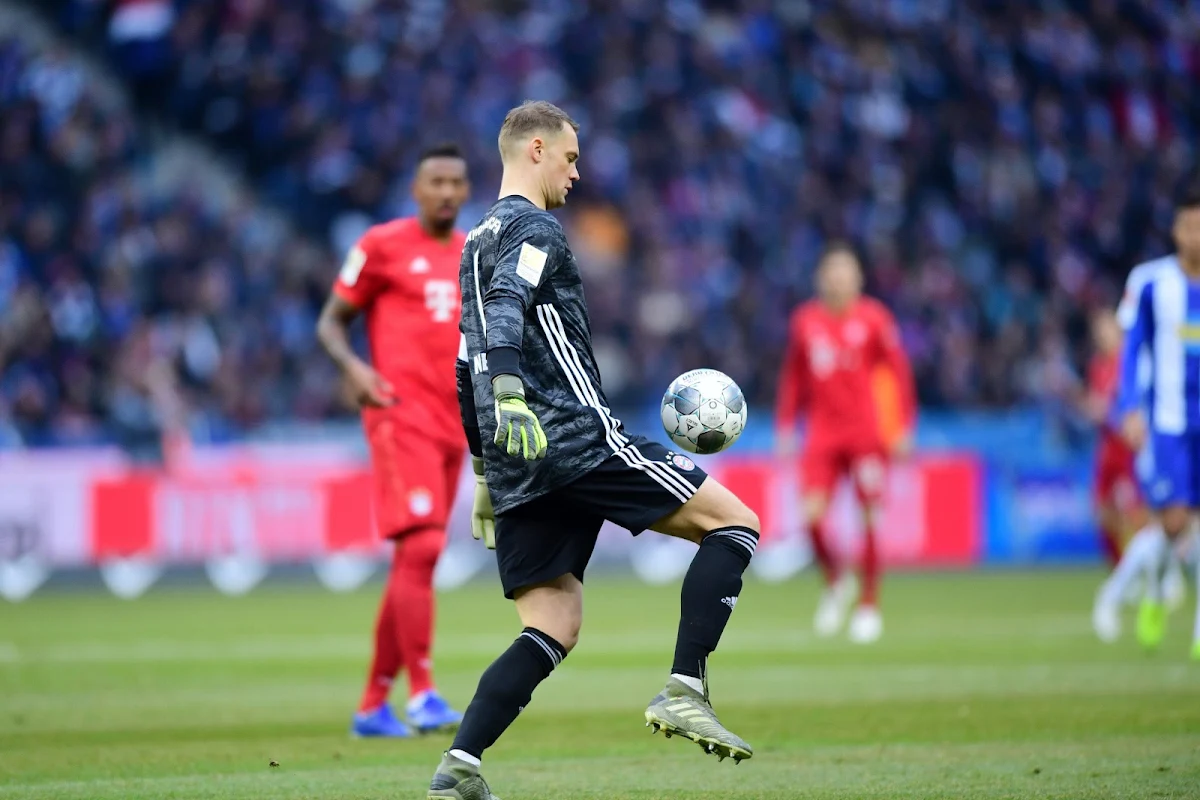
(441,298)
(352,266)
(823,357)
(1162,489)
(1189,334)
(530,263)
(419,265)
(420,502)
(730,601)
(681,462)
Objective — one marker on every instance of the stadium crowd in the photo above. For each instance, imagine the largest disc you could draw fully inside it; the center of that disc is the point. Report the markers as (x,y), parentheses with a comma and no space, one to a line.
(130,305)
(999,168)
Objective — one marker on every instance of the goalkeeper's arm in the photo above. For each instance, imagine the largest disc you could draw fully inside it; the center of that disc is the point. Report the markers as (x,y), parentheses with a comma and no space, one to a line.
(483,518)
(466,402)
(524,264)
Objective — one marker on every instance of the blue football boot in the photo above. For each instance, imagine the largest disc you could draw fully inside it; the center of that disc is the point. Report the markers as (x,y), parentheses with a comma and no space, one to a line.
(380,723)
(428,712)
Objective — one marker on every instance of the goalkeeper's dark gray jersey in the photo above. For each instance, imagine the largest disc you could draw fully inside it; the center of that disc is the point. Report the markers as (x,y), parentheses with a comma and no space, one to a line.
(521,289)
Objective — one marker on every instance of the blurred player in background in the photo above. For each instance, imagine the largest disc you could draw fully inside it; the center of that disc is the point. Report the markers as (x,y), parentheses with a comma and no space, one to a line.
(1138,557)
(1167,323)
(1119,507)
(836,344)
(403,275)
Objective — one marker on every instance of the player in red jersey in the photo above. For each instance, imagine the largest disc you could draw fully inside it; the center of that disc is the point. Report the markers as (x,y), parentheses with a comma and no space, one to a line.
(835,344)
(1119,506)
(403,275)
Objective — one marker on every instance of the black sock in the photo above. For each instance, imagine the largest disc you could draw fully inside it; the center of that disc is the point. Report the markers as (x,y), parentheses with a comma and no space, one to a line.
(505,689)
(710,591)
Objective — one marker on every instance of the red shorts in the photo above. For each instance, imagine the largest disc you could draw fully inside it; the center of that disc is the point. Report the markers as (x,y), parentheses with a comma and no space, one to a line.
(1116,479)
(415,479)
(824,465)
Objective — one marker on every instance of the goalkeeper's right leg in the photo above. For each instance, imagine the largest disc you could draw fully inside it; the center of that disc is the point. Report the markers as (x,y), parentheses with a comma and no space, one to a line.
(456,779)
(680,710)
(727,532)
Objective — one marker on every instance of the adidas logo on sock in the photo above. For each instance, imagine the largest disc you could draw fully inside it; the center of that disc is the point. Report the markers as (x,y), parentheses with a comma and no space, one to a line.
(729,601)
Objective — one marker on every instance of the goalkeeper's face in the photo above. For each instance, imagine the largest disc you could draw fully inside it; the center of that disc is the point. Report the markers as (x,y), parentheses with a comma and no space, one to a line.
(557,169)
(839,279)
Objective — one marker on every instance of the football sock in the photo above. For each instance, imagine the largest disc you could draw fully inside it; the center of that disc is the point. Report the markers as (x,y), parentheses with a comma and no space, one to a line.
(386,658)
(505,688)
(710,591)
(412,576)
(821,551)
(1135,561)
(870,569)
(1159,561)
(687,680)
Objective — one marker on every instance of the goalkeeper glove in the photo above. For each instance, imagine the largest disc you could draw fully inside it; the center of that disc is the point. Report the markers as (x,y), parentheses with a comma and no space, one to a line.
(483,519)
(518,431)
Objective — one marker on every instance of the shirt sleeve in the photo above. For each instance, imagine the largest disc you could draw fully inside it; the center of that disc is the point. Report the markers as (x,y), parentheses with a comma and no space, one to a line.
(361,277)
(526,261)
(1140,333)
(1128,307)
(466,400)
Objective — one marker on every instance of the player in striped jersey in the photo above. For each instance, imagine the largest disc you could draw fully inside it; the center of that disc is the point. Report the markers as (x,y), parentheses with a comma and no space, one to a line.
(1143,549)
(1167,324)
(552,463)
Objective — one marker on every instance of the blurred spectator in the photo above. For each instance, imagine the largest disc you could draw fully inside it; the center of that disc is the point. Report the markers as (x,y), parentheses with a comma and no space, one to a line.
(1000,167)
(130,309)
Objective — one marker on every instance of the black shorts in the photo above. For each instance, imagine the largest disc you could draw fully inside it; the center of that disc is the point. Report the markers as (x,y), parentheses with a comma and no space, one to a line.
(556,533)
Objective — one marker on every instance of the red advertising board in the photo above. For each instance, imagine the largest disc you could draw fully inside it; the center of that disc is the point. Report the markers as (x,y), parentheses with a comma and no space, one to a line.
(931,516)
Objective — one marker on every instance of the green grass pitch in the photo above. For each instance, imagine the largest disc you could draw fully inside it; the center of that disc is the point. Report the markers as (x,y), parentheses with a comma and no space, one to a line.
(985,685)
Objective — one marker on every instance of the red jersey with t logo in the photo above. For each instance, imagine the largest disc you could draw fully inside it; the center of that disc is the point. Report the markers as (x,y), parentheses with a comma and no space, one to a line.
(406,283)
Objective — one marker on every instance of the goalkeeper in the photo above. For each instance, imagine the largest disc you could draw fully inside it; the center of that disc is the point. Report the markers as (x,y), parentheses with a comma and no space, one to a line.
(553,464)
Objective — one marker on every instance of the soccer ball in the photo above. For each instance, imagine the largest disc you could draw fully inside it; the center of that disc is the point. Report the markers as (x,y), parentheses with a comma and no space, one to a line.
(704,411)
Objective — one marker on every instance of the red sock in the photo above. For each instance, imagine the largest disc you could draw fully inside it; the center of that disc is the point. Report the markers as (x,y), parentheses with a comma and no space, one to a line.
(824,556)
(385,663)
(870,569)
(412,579)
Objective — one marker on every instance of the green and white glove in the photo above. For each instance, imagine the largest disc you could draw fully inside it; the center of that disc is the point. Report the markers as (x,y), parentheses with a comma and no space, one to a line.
(483,519)
(518,431)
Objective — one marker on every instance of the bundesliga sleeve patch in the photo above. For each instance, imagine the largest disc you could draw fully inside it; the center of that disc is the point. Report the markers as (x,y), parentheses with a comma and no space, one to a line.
(530,263)
(352,267)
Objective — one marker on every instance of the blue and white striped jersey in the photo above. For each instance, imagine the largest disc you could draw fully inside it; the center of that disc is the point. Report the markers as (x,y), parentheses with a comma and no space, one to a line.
(1138,277)
(1166,323)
